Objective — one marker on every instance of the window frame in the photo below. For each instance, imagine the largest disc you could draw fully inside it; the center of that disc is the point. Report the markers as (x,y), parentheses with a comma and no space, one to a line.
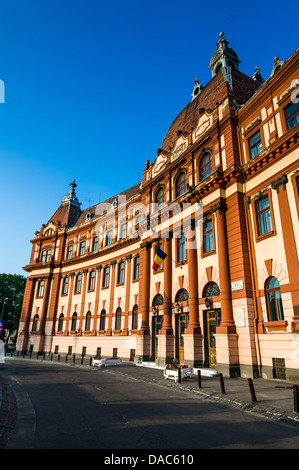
(82,248)
(179,244)
(108,238)
(121,273)
(159,198)
(258,236)
(118,319)
(289,105)
(203,172)
(205,252)
(179,184)
(251,147)
(91,280)
(65,285)
(136,268)
(106,277)
(95,243)
(40,289)
(69,252)
(78,283)
(273,290)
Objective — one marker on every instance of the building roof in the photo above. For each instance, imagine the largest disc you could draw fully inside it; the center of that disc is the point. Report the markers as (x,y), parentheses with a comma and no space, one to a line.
(243,87)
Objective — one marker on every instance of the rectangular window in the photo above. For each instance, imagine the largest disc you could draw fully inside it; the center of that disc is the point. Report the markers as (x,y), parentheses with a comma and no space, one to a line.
(255,144)
(136,268)
(95,243)
(181,251)
(106,277)
(82,248)
(92,277)
(123,231)
(40,290)
(292,114)
(121,273)
(78,283)
(263,213)
(65,285)
(46,256)
(208,242)
(69,252)
(109,238)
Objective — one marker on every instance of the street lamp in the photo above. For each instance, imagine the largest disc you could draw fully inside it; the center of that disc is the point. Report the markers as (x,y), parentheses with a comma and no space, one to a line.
(178,307)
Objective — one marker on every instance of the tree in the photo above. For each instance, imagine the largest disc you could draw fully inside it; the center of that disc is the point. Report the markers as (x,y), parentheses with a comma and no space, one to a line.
(12,288)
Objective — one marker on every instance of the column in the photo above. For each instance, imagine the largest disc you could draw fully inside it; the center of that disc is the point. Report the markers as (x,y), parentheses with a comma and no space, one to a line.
(97,297)
(112,285)
(125,331)
(166,352)
(44,313)
(289,245)
(83,295)
(143,340)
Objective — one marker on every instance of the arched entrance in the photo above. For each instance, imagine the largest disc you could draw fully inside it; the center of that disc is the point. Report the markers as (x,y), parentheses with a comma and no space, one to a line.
(181,322)
(157,323)
(212,319)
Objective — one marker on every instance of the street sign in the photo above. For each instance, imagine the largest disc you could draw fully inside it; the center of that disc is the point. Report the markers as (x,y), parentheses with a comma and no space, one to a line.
(1,326)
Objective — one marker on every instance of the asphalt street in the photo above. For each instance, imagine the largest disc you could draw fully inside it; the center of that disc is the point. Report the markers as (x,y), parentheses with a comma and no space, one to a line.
(64,406)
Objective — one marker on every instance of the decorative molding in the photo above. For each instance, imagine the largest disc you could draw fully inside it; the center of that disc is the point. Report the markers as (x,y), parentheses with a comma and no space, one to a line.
(282,180)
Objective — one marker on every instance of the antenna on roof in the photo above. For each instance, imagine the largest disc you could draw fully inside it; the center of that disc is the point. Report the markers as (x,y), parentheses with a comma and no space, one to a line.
(89,199)
(234,32)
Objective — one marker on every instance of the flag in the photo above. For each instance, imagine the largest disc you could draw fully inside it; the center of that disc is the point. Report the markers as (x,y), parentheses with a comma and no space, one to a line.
(159,258)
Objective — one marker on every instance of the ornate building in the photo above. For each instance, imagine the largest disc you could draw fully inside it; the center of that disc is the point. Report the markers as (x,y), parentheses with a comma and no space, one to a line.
(221,199)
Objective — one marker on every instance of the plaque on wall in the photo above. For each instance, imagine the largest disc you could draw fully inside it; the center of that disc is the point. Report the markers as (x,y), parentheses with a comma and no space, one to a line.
(239,317)
(237,285)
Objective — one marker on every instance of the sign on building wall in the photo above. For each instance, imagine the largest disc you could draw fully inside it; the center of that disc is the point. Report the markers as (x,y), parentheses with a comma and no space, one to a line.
(237,285)
(239,317)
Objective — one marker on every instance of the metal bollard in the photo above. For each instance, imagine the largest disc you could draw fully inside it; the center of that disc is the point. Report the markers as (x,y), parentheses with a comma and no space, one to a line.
(221,383)
(74,358)
(199,378)
(252,392)
(179,375)
(296,398)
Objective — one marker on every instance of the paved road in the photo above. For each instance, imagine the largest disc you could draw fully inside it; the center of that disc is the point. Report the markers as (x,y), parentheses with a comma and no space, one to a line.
(71,407)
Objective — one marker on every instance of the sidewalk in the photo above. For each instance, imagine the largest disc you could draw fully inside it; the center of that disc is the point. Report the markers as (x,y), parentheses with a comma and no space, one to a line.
(274,398)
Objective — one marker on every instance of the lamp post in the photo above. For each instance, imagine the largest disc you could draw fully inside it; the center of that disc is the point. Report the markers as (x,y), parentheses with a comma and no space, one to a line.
(2,310)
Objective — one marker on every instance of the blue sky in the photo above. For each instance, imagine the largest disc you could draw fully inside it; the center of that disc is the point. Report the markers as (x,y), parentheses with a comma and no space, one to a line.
(91,88)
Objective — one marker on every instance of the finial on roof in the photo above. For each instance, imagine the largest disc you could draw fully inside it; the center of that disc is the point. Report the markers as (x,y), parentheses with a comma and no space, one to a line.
(257,76)
(71,197)
(276,65)
(197,89)
(223,57)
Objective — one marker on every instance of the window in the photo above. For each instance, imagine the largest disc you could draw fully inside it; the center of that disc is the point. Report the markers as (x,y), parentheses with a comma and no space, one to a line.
(109,238)
(40,289)
(135,317)
(263,214)
(69,252)
(181,251)
(211,290)
(65,285)
(255,144)
(158,300)
(106,277)
(74,322)
(87,321)
(118,319)
(136,268)
(123,231)
(35,323)
(181,184)
(60,322)
(208,242)
(205,167)
(103,320)
(159,199)
(292,114)
(95,243)
(46,256)
(121,273)
(92,277)
(82,248)
(78,284)
(273,299)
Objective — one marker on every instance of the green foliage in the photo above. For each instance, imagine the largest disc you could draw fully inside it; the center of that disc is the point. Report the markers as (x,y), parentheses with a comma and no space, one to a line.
(11,298)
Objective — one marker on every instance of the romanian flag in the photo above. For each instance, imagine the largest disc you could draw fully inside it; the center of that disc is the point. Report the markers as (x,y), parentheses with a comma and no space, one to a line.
(159,258)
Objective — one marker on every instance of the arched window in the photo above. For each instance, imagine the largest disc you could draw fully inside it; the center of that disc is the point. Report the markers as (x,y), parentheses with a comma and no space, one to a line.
(103,320)
(87,321)
(35,323)
(74,321)
(159,199)
(118,319)
(158,300)
(182,295)
(60,322)
(273,299)
(211,290)
(135,317)
(181,185)
(205,166)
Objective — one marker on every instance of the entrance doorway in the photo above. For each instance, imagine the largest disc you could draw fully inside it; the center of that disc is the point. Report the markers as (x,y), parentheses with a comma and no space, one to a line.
(213,319)
(182,321)
(156,326)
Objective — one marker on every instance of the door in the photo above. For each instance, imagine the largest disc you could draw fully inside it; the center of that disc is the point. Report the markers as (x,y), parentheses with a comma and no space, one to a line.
(181,323)
(213,320)
(157,325)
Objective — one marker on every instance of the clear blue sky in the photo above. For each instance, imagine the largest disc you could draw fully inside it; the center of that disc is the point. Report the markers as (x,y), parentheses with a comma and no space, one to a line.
(91,88)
